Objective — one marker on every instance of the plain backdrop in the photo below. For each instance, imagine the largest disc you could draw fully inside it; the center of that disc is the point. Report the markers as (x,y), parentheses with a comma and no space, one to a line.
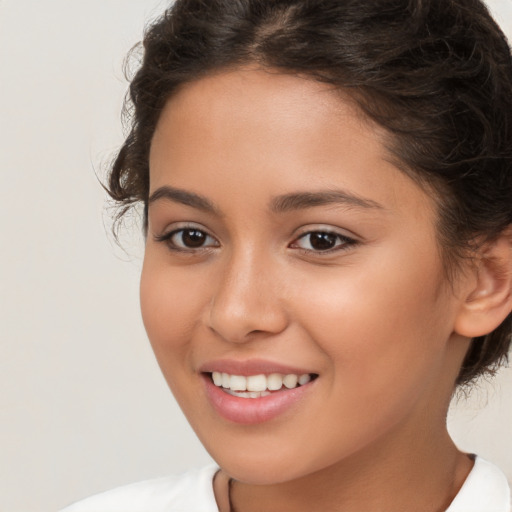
(83,406)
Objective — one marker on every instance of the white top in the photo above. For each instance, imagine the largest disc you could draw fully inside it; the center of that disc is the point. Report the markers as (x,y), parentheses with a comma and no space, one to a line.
(485,490)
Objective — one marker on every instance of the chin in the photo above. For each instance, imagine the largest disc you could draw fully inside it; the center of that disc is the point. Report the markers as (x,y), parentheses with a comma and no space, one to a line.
(266,464)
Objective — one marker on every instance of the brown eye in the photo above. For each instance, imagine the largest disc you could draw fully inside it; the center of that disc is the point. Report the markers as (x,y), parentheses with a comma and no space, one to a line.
(323,241)
(188,239)
(192,238)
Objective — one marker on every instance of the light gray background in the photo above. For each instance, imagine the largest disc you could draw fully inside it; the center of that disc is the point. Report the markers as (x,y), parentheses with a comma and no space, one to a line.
(83,406)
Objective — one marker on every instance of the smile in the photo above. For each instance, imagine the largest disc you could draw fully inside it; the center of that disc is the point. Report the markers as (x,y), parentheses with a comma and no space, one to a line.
(258,386)
(259,397)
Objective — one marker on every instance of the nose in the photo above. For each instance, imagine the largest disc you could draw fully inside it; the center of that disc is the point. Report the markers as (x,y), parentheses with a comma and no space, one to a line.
(248,300)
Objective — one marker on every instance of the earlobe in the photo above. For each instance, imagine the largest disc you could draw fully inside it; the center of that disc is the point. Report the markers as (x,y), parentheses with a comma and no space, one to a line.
(488,300)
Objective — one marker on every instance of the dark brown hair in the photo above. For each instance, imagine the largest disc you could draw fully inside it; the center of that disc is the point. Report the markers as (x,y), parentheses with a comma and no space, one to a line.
(436,74)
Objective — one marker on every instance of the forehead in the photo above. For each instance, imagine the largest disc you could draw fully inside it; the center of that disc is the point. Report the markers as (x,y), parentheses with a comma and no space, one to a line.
(270,131)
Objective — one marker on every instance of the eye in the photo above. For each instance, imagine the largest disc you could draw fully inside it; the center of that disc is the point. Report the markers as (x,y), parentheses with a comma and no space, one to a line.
(323,241)
(187,239)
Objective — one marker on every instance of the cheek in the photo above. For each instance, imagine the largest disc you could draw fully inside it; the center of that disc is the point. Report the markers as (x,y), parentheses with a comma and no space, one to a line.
(172,301)
(385,325)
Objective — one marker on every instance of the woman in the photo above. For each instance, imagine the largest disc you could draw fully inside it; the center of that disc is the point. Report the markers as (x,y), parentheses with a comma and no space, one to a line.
(327,189)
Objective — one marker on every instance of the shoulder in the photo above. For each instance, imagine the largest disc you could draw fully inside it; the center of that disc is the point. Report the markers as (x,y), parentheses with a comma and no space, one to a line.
(190,492)
(485,490)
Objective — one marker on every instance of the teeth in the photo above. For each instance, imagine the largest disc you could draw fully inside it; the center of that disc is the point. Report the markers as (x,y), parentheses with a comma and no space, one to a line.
(256,386)
(304,379)
(217,378)
(256,383)
(238,383)
(248,394)
(275,381)
(290,381)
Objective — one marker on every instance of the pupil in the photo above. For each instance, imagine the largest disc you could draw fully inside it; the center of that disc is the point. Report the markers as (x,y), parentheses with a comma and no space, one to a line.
(193,238)
(322,241)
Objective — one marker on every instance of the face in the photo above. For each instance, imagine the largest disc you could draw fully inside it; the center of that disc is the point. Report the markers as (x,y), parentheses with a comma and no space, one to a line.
(290,262)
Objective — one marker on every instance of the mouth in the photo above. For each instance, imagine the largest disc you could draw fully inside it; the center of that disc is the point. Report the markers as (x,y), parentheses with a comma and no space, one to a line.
(256,390)
(260,385)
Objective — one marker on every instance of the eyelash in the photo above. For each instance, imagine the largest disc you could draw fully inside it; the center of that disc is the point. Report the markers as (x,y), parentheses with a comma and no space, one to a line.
(168,239)
(344,244)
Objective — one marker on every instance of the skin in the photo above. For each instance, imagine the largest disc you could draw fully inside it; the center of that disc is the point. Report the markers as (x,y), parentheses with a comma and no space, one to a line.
(375,318)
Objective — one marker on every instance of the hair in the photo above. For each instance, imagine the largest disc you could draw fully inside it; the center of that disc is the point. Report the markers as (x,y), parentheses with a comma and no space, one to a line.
(435,74)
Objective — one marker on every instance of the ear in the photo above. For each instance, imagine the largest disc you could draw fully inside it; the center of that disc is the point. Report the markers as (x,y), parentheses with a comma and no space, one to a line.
(487,300)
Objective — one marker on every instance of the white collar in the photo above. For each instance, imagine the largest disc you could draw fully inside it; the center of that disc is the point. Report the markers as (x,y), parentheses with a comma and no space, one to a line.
(485,490)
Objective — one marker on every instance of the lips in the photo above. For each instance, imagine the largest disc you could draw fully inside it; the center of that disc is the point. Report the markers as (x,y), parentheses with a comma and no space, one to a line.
(251,367)
(255,391)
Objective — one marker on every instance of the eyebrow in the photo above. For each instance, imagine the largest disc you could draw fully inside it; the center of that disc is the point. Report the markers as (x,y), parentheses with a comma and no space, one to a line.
(280,204)
(184,197)
(302,200)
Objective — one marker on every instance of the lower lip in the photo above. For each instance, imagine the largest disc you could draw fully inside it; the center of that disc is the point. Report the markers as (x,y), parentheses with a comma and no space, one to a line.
(249,411)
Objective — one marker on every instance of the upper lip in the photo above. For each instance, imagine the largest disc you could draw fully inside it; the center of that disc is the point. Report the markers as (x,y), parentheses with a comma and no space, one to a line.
(250,367)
